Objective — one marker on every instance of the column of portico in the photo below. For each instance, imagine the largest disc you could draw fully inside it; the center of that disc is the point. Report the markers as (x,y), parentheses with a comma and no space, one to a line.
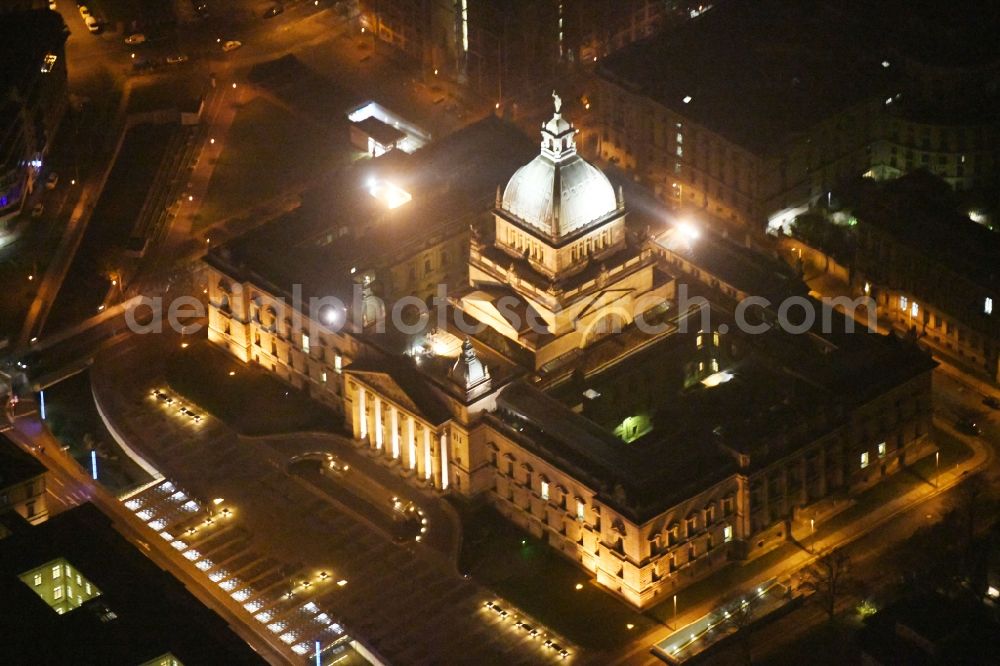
(394,432)
(378,422)
(362,413)
(444,459)
(428,465)
(411,442)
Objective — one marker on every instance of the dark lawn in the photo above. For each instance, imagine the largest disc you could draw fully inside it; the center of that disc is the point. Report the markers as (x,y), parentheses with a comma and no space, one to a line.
(251,401)
(538,581)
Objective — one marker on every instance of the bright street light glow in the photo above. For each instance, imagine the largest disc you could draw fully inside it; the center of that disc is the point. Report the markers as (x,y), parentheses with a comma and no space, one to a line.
(389,194)
(689,231)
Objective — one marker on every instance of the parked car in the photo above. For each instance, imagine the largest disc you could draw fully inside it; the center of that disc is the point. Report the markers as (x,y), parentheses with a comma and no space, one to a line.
(176,59)
(84,12)
(968,426)
(135,39)
(51,181)
(37,211)
(231,45)
(92,25)
(52,5)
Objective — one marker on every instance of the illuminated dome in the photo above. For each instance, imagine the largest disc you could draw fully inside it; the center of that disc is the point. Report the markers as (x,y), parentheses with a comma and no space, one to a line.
(559,192)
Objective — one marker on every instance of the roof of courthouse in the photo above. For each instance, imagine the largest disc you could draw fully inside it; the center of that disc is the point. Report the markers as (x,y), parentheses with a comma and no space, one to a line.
(153,613)
(920,211)
(341,226)
(757,71)
(785,392)
(16,466)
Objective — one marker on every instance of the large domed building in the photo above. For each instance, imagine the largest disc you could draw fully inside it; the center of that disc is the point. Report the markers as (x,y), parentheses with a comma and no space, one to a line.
(559,271)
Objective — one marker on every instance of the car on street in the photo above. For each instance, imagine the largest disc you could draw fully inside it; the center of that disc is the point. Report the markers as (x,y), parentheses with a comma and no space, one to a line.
(176,59)
(231,45)
(991,402)
(273,11)
(37,211)
(51,181)
(52,5)
(92,25)
(969,426)
(135,39)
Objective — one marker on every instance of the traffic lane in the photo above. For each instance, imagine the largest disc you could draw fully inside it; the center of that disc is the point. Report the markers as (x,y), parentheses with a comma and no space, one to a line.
(30,434)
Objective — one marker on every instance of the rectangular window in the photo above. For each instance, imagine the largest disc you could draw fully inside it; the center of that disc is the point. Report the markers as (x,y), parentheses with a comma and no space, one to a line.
(715,338)
(881,450)
(305,343)
(581,511)
(545,490)
(56,571)
(57,592)
(988,306)
(864,460)
(324,377)
(727,533)
(338,363)
(38,579)
(698,341)
(903,302)
(914,309)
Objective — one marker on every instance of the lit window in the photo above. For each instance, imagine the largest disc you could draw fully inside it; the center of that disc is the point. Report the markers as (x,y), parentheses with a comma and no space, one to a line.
(903,302)
(305,343)
(727,533)
(38,579)
(581,509)
(680,138)
(881,450)
(868,288)
(864,460)
(715,365)
(914,309)
(324,377)
(56,571)
(988,305)
(57,592)
(545,490)
(715,338)
(338,362)
(701,366)
(699,341)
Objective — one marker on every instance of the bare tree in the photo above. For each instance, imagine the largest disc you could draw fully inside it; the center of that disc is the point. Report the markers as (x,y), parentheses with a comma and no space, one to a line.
(827,577)
(739,611)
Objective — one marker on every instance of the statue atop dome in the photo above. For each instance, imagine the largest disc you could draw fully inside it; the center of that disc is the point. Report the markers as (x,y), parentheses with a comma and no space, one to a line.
(557,102)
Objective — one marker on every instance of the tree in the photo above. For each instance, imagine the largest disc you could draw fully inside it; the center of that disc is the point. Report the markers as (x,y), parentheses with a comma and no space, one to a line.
(827,578)
(739,612)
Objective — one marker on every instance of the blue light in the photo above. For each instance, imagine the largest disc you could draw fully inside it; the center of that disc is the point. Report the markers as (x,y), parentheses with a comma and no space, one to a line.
(41,404)
(93,465)
(318,655)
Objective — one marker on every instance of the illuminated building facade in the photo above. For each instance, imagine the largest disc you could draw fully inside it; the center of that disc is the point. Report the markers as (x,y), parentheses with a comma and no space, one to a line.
(715,117)
(650,457)
(931,270)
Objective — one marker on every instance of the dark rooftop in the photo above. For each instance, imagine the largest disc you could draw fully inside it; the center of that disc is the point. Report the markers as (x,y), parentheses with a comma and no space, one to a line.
(758,71)
(25,38)
(16,466)
(151,612)
(341,226)
(920,210)
(382,132)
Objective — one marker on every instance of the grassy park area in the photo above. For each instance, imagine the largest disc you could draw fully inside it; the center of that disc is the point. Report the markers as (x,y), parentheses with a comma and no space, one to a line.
(531,575)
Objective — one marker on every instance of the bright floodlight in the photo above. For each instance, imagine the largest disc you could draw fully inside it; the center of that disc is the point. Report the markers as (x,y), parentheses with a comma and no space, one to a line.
(389,194)
(330,315)
(716,378)
(688,230)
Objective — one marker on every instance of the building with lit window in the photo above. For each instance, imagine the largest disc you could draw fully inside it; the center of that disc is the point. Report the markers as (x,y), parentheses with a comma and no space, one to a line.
(644,436)
(931,269)
(74,590)
(753,126)
(22,483)
(33,99)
